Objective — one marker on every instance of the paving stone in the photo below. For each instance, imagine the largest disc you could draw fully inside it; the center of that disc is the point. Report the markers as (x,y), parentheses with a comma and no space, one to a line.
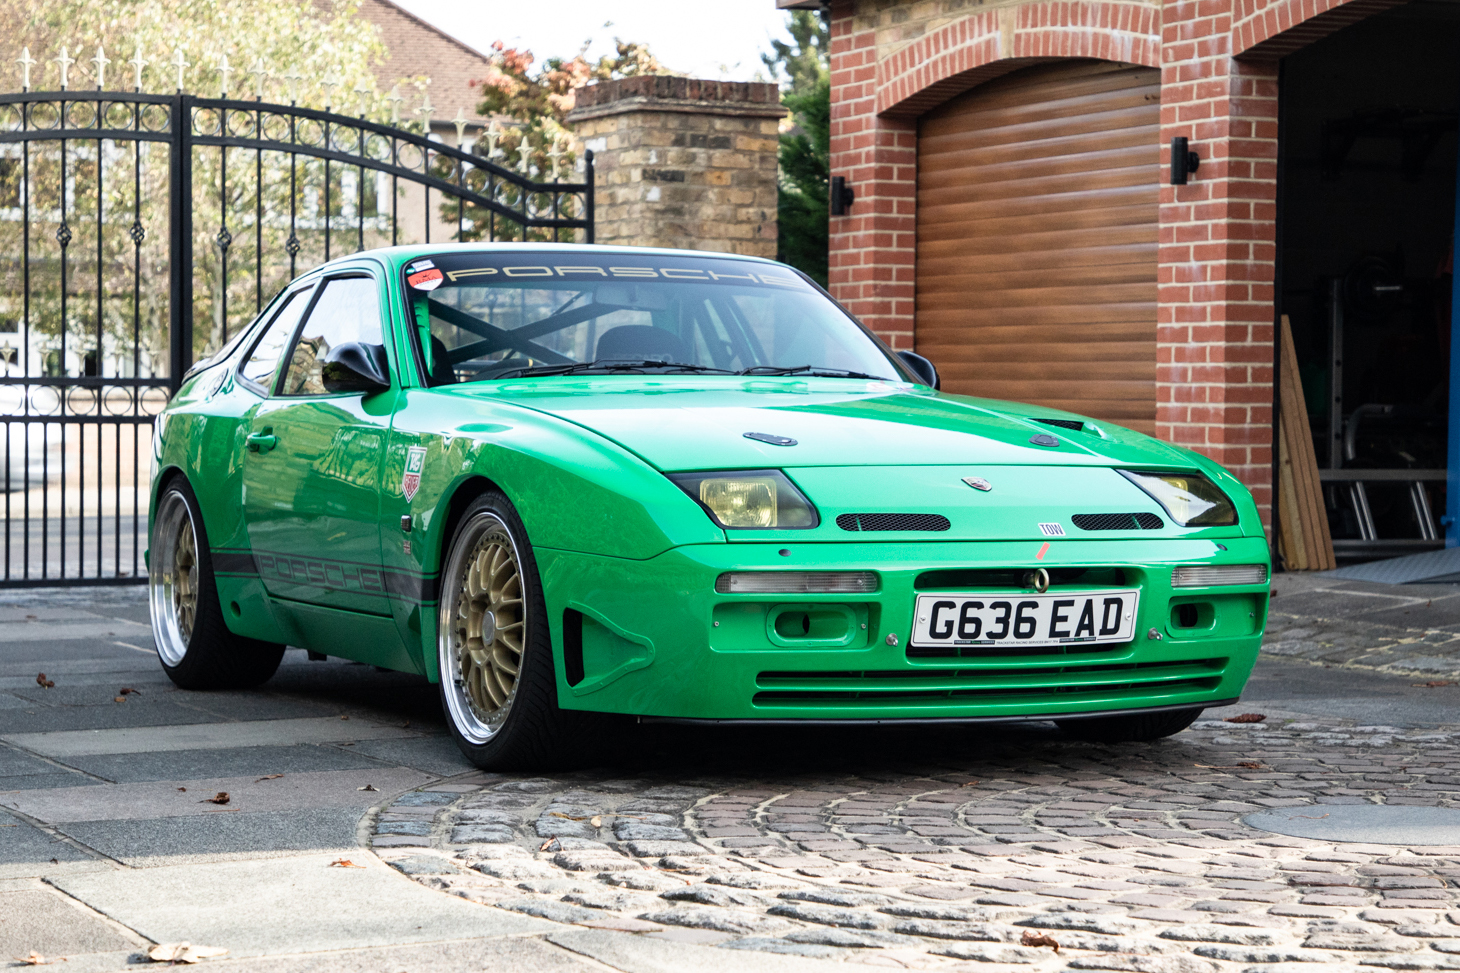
(736,921)
(1220,934)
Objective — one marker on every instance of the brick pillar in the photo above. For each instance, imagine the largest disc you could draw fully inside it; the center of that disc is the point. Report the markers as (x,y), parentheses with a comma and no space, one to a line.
(683,163)
(874,246)
(1218,249)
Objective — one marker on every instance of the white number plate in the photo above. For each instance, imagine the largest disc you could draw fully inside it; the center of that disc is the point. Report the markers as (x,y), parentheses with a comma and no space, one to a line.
(990,618)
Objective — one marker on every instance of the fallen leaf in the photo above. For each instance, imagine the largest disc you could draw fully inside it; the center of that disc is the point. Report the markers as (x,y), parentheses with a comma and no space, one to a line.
(344,863)
(596,821)
(182,788)
(269,777)
(128,692)
(1245,718)
(1434,683)
(1032,938)
(1249,764)
(34,959)
(344,717)
(566,817)
(220,798)
(43,682)
(368,787)
(968,783)
(119,699)
(549,843)
(182,953)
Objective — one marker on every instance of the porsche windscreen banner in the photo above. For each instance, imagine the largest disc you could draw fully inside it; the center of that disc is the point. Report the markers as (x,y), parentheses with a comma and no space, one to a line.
(555,269)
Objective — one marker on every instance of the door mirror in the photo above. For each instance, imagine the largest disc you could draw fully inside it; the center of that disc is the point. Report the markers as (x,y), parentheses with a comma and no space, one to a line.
(353,367)
(921,367)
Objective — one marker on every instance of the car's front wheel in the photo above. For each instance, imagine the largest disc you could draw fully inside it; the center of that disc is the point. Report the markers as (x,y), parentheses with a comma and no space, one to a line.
(1130,727)
(194,643)
(498,686)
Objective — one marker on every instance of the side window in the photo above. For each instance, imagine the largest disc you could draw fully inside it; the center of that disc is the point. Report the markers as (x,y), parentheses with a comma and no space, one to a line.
(263,361)
(347,310)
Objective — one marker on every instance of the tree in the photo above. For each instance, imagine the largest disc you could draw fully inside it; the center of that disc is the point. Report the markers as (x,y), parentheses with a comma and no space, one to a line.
(323,40)
(805,153)
(539,100)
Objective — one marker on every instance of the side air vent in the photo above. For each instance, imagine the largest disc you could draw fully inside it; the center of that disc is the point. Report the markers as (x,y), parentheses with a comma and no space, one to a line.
(1141,521)
(892,522)
(1074,424)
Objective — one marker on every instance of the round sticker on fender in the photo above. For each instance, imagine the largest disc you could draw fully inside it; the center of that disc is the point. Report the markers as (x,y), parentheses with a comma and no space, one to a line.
(426,280)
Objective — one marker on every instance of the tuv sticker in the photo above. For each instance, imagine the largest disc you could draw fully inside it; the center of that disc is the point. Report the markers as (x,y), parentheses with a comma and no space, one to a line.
(410,480)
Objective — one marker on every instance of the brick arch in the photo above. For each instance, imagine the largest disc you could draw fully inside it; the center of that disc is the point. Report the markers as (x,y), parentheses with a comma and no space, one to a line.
(1270,29)
(948,61)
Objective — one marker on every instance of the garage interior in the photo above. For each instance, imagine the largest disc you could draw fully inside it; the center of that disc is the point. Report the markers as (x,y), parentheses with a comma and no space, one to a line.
(1366,216)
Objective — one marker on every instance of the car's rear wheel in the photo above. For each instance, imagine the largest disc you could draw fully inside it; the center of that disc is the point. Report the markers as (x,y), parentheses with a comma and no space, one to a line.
(498,686)
(194,643)
(1130,727)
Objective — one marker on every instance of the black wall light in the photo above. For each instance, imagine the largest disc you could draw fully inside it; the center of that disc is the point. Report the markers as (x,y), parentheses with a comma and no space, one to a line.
(1183,161)
(842,196)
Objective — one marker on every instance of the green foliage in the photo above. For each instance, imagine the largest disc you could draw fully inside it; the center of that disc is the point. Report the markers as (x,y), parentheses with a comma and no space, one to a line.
(805,152)
(539,98)
(323,40)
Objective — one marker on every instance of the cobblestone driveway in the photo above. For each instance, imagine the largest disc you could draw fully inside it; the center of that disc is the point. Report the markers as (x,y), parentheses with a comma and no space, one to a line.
(1130,858)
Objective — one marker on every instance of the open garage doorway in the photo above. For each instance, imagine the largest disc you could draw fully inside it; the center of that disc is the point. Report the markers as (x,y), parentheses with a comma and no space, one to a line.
(1366,213)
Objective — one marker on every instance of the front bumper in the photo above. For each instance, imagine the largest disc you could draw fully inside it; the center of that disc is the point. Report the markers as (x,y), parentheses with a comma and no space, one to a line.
(653,638)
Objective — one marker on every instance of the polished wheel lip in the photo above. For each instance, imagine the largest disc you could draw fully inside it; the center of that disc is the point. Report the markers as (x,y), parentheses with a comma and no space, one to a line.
(173,605)
(461,620)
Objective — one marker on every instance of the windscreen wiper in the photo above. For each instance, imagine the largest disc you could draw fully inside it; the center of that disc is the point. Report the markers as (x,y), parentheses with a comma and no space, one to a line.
(811,370)
(608,364)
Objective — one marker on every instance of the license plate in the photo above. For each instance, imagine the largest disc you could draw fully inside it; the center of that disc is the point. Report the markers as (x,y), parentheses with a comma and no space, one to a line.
(1025,619)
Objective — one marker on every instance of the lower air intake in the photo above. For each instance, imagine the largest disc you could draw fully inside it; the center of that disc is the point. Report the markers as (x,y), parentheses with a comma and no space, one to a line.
(892,522)
(1141,521)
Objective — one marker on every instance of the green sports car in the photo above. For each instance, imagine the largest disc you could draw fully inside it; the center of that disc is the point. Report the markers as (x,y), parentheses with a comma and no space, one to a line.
(564,481)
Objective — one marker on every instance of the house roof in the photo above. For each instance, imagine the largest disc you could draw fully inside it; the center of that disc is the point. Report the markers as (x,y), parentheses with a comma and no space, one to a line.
(414,47)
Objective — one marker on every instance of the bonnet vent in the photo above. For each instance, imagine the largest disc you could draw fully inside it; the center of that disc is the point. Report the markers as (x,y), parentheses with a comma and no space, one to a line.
(1141,521)
(1074,424)
(892,522)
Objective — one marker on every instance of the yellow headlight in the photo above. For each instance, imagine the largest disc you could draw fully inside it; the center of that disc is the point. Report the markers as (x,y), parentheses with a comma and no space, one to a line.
(741,501)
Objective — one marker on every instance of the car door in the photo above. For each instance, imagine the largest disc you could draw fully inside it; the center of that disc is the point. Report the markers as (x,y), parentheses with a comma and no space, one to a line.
(312,461)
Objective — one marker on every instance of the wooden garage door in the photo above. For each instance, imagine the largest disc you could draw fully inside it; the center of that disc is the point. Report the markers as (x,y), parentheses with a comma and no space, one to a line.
(1037,212)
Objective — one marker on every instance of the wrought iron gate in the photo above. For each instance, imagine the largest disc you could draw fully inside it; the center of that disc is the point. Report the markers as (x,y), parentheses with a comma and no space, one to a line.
(138,231)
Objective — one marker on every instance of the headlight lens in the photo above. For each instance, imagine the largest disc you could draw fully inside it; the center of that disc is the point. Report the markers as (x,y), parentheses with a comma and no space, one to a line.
(1190,498)
(749,499)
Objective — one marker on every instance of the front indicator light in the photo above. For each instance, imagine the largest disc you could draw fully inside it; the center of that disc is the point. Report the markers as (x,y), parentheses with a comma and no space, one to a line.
(796,583)
(749,499)
(1204,575)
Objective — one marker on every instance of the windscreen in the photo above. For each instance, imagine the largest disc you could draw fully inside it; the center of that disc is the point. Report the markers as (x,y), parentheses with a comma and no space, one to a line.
(486,316)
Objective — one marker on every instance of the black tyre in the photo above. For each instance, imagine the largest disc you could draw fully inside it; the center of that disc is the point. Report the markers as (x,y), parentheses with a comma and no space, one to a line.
(1130,727)
(498,687)
(194,643)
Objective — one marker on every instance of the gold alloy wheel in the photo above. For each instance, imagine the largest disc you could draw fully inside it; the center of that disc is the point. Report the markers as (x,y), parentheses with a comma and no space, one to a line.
(174,579)
(185,582)
(487,630)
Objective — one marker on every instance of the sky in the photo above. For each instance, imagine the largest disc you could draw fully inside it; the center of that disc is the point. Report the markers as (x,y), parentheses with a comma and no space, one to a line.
(721,40)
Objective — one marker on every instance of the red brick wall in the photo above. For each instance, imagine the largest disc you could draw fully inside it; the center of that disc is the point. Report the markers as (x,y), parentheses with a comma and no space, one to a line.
(1217,255)
(872,248)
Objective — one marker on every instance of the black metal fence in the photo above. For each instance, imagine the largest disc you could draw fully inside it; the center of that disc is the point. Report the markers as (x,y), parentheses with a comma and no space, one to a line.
(139,231)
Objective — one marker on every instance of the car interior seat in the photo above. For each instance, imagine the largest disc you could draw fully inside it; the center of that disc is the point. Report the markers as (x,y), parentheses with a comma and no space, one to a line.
(642,342)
